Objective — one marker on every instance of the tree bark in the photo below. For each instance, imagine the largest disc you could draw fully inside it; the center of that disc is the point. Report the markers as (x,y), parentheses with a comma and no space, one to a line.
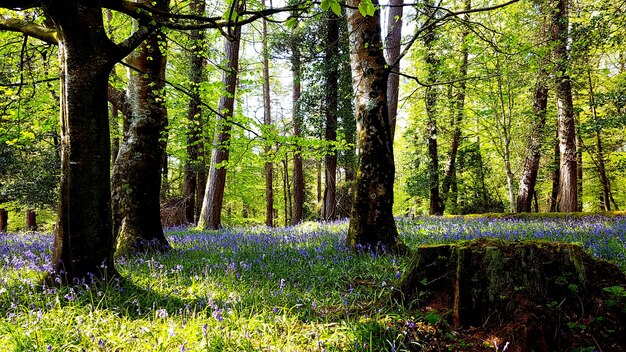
(83,241)
(392,51)
(137,171)
(371,220)
(267,121)
(458,114)
(568,195)
(211,214)
(194,163)
(4,220)
(554,194)
(298,171)
(30,220)
(430,102)
(528,179)
(331,78)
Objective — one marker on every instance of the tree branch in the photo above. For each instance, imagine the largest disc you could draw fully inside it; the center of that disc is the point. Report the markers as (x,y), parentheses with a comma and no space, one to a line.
(42,33)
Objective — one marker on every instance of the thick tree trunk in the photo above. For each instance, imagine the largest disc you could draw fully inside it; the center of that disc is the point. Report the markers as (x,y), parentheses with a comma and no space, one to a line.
(194,163)
(211,214)
(568,195)
(533,151)
(137,171)
(4,220)
(392,53)
(267,121)
(458,114)
(298,171)
(83,240)
(331,102)
(371,220)
(30,220)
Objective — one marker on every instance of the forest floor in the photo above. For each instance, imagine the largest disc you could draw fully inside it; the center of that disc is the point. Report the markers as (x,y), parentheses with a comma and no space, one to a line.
(283,289)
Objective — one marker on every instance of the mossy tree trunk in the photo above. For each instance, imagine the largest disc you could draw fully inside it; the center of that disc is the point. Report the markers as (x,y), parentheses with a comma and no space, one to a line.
(371,218)
(137,171)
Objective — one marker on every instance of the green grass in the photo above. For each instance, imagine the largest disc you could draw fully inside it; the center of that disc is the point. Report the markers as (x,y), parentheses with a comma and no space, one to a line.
(249,289)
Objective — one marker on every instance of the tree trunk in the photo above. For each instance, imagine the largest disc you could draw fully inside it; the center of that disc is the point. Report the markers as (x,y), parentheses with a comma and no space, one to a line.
(4,220)
(371,220)
(211,214)
(137,172)
(528,179)
(458,113)
(83,241)
(267,121)
(554,194)
(30,220)
(298,172)
(568,195)
(331,103)
(392,51)
(196,76)
(115,142)
(430,102)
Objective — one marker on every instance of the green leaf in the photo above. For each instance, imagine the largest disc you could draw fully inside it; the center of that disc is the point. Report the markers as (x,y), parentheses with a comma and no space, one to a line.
(367,8)
(336,8)
(325,5)
(291,22)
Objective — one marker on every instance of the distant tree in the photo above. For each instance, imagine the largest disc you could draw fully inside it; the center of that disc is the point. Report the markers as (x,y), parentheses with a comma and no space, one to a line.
(211,214)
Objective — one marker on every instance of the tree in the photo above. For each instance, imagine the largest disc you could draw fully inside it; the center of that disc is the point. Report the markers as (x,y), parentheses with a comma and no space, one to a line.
(195,176)
(331,77)
(568,186)
(267,121)
(430,102)
(137,172)
(298,172)
(211,214)
(371,218)
(392,53)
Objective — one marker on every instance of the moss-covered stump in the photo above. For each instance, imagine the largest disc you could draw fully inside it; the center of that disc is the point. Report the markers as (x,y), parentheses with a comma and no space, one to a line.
(538,296)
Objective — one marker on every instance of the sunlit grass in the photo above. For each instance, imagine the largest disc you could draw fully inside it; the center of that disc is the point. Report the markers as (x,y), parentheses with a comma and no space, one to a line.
(248,289)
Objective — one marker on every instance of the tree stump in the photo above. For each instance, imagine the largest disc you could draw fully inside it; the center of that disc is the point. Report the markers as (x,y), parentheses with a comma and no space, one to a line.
(538,296)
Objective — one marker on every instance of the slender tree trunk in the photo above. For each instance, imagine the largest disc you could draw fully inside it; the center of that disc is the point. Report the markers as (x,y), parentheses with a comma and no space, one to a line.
(115,142)
(298,172)
(30,220)
(554,194)
(194,163)
(458,113)
(267,121)
(211,215)
(371,220)
(392,53)
(286,192)
(568,195)
(137,174)
(83,239)
(430,102)
(319,181)
(528,179)
(331,86)
(4,220)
